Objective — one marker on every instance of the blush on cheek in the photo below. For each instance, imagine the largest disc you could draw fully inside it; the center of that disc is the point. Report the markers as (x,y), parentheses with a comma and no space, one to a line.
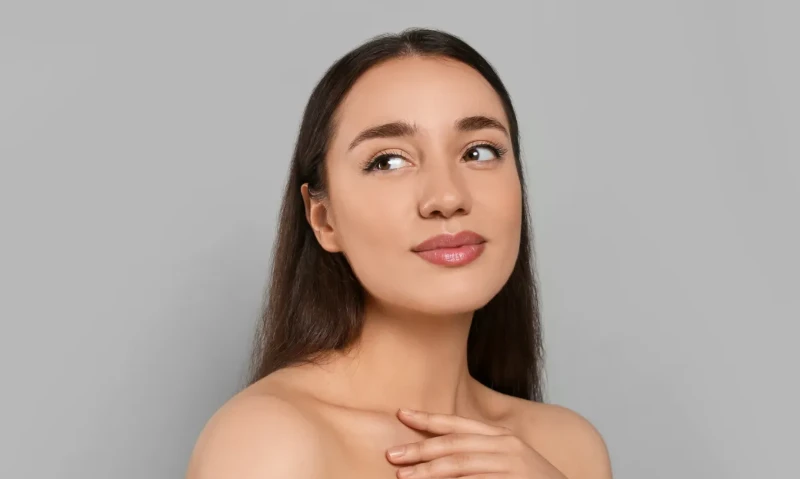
(370,239)
(501,210)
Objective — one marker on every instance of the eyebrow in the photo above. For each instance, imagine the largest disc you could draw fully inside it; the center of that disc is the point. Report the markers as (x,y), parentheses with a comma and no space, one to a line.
(402,128)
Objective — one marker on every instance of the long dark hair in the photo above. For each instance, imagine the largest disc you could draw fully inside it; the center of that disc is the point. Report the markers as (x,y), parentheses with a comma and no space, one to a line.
(314,303)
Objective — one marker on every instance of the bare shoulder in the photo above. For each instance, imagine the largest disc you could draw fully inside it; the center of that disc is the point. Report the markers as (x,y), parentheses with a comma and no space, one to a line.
(257,435)
(565,438)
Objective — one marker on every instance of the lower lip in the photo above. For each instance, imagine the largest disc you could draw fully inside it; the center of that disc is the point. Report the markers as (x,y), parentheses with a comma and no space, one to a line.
(453,256)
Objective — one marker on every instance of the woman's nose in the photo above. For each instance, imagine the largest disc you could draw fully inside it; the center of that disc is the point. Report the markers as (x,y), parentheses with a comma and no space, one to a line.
(444,192)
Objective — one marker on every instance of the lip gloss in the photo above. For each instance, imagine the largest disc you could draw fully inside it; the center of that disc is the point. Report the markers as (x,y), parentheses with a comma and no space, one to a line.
(457,256)
(451,250)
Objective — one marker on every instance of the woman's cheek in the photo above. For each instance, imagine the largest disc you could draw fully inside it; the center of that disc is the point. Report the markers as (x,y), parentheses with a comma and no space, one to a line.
(373,234)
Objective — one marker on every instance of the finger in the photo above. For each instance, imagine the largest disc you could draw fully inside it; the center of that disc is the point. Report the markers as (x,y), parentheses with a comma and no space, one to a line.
(448,423)
(456,465)
(440,446)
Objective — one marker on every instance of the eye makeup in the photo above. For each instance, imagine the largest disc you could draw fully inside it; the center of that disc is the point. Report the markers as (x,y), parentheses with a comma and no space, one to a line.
(383,160)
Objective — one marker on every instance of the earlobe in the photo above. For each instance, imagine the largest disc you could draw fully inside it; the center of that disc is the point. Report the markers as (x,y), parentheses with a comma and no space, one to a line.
(317,216)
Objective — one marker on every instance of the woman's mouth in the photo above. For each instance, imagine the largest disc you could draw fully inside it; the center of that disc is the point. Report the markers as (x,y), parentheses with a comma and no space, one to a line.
(451,250)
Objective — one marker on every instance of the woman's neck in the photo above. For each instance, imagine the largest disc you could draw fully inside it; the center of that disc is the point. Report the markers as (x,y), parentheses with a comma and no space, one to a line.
(406,361)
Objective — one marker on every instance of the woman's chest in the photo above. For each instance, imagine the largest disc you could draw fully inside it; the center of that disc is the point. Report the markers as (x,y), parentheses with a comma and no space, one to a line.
(357,448)
(365,464)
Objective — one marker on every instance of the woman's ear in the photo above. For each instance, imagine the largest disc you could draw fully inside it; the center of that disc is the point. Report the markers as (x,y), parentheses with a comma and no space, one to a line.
(319,217)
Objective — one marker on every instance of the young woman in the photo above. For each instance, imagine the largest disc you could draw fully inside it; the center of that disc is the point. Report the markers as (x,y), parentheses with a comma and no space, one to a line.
(402,278)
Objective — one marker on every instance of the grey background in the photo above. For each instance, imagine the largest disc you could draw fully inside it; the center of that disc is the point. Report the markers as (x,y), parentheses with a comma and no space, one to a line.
(144,146)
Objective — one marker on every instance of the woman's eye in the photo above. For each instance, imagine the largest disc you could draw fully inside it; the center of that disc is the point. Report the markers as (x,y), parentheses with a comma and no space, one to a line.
(481,153)
(388,162)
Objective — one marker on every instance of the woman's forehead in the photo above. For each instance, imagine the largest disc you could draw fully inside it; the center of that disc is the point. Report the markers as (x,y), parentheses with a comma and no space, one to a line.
(432,93)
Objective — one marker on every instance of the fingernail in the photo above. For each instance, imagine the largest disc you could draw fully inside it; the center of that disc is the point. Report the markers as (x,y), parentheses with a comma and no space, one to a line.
(397,451)
(407,412)
(406,472)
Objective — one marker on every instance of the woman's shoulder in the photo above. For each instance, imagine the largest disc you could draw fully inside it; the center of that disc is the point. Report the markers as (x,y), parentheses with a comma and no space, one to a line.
(258,433)
(564,437)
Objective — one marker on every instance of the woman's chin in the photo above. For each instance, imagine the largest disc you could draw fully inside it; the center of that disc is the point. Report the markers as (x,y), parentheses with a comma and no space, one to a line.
(446,302)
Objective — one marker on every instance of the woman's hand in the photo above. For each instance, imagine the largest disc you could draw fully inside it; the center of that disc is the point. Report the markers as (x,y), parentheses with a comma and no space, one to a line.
(466,448)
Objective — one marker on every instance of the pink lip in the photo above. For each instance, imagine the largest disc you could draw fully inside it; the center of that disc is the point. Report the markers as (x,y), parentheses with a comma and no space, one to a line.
(451,250)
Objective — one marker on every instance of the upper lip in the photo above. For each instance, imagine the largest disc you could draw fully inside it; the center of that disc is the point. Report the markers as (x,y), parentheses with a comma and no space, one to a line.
(450,241)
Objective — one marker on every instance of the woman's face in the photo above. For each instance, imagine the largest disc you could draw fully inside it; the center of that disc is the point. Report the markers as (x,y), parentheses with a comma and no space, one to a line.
(391,190)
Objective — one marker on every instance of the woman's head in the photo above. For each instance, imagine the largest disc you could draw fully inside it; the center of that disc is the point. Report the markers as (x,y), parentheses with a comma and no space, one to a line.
(386,189)
(406,137)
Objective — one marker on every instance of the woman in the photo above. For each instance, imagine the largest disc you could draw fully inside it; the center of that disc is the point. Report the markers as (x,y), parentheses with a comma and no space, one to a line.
(402,278)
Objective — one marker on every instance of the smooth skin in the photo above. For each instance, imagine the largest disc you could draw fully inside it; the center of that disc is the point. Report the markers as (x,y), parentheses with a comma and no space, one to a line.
(466,448)
(340,418)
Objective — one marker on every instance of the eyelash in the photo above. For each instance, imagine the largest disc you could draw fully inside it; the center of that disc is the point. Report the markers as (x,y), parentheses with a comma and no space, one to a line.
(498,151)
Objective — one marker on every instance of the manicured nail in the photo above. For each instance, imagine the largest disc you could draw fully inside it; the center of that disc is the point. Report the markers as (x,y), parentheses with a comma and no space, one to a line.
(397,451)
(406,472)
